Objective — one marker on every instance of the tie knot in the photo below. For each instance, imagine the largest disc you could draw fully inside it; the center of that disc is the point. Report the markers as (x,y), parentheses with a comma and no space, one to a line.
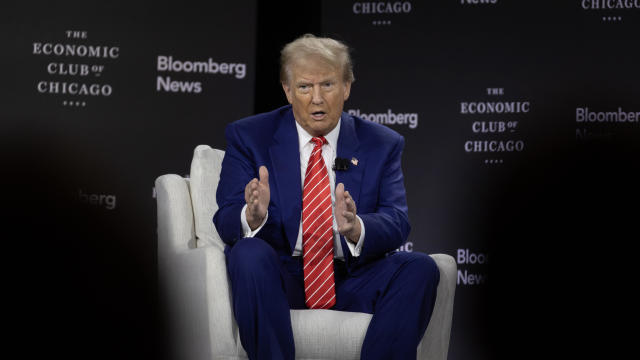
(319,141)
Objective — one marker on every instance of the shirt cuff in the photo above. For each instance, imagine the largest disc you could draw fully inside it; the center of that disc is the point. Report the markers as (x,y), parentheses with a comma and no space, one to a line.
(356,249)
(246,230)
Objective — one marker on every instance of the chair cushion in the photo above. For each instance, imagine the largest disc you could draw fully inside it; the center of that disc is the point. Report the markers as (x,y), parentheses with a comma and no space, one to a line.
(328,334)
(325,334)
(205,175)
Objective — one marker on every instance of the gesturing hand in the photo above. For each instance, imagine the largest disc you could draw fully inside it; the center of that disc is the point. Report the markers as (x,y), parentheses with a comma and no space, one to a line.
(348,224)
(257,195)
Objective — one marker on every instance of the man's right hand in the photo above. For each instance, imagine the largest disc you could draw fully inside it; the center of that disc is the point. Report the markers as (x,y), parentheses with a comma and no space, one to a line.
(257,195)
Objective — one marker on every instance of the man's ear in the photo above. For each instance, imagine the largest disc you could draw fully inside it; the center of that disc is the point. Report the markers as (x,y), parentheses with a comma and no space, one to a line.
(287,92)
(347,90)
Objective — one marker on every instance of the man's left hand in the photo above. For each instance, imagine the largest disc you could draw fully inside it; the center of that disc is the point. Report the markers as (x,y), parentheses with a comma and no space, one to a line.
(348,223)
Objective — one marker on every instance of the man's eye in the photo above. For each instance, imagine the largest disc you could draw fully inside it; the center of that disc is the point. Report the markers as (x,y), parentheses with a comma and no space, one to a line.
(327,84)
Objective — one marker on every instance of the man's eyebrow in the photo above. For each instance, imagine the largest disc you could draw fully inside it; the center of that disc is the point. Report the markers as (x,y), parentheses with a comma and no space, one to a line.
(302,82)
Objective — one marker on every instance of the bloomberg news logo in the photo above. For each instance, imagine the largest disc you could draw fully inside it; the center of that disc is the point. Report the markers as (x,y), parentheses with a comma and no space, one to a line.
(167,64)
(465,258)
(98,200)
(600,125)
(388,118)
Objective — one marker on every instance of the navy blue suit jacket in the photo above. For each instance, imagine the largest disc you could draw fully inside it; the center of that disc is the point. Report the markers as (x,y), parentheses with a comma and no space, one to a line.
(376,183)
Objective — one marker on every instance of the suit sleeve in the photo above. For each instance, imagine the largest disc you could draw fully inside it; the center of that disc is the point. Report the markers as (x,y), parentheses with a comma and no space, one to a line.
(388,225)
(238,168)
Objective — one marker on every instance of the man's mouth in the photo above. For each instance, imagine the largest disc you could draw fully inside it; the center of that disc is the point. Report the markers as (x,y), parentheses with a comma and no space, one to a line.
(318,115)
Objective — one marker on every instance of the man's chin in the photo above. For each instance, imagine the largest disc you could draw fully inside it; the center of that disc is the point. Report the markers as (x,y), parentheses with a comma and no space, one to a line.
(317,127)
(322,128)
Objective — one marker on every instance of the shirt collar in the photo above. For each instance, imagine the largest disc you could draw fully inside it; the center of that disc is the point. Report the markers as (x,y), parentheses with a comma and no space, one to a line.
(332,137)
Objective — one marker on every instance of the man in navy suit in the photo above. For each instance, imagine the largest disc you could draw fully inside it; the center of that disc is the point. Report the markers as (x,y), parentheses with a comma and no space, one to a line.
(260,198)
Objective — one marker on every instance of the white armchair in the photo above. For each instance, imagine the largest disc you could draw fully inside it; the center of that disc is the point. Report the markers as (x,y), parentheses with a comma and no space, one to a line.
(196,292)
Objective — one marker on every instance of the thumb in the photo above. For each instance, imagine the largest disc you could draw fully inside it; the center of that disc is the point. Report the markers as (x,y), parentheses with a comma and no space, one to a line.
(264,175)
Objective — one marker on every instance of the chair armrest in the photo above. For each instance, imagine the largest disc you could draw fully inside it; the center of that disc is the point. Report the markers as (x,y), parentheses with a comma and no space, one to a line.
(197,303)
(176,231)
(435,343)
(193,281)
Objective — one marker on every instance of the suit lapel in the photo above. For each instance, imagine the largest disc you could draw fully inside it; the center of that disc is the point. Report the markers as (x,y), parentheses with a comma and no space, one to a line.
(285,157)
(349,148)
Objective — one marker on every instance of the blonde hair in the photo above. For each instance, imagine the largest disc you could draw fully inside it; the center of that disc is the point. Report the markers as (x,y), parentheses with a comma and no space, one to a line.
(332,51)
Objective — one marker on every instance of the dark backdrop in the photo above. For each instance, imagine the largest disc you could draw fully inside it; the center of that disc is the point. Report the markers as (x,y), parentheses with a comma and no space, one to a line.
(554,223)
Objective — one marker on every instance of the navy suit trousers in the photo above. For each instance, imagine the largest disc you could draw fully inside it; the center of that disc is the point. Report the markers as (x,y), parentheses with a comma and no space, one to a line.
(399,290)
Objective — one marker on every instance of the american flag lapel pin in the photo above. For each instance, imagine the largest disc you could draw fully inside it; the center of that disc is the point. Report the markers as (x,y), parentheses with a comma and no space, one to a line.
(354,161)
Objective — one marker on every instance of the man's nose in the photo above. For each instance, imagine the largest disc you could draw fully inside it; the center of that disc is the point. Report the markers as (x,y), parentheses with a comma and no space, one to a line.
(316,95)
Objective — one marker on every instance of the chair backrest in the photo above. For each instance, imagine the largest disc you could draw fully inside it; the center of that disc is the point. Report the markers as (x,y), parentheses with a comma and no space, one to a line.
(204,177)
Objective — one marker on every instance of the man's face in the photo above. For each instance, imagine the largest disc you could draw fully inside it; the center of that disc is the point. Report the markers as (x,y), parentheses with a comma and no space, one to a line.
(317,93)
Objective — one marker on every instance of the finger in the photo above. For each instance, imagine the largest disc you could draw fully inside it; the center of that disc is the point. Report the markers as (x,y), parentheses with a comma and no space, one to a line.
(349,216)
(264,175)
(345,228)
(251,185)
(340,191)
(348,198)
(350,205)
(347,195)
(252,194)
(251,207)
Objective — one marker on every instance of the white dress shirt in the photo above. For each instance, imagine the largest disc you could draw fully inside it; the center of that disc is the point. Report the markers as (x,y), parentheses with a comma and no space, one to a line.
(329,155)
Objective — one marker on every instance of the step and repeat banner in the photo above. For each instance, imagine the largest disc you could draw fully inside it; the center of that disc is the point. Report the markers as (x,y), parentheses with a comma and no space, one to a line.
(485,92)
(99,99)
(128,91)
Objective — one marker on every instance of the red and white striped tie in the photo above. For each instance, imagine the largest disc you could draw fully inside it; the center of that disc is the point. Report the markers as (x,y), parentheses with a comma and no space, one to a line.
(317,232)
